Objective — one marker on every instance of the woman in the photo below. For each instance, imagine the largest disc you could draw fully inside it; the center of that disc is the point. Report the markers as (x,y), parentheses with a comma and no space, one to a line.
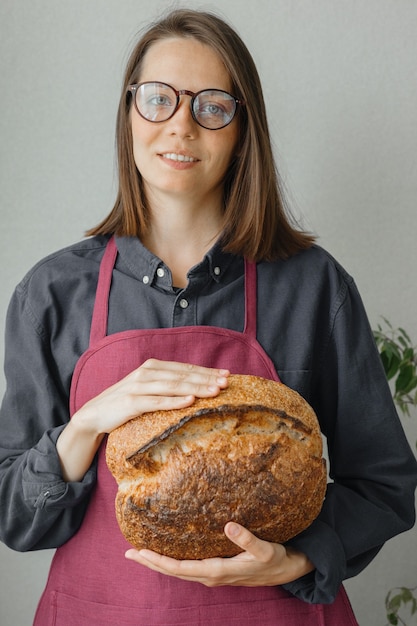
(136,318)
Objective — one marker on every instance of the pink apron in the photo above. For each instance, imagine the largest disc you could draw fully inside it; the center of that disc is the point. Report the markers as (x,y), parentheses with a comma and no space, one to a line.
(90,581)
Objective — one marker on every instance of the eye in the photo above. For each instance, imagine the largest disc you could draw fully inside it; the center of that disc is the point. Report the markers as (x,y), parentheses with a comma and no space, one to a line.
(214,107)
(156,97)
(211,108)
(159,100)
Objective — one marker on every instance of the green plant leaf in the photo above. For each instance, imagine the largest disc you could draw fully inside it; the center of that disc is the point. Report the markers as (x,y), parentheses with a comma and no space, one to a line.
(408,354)
(405,335)
(387,322)
(395,602)
(411,385)
(402,341)
(406,595)
(391,363)
(404,378)
(392,619)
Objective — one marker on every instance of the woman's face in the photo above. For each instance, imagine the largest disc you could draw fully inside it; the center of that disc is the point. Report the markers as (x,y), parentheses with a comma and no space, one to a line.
(183,63)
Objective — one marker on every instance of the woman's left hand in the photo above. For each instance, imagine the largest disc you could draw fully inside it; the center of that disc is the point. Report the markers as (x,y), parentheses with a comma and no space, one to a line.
(261,563)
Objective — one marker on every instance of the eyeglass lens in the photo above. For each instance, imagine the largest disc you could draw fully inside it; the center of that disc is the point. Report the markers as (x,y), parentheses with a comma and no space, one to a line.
(211,108)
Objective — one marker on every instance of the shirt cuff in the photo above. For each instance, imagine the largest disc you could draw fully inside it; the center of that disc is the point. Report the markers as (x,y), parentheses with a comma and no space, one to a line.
(323,547)
(43,484)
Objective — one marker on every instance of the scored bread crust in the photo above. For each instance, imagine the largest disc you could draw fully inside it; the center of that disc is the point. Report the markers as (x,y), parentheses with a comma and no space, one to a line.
(252,454)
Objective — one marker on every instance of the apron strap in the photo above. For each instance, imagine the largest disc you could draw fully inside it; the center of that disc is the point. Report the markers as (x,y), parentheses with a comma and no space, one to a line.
(250,299)
(101,304)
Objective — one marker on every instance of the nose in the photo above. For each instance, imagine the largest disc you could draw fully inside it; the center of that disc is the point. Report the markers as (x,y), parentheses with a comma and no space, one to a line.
(182,122)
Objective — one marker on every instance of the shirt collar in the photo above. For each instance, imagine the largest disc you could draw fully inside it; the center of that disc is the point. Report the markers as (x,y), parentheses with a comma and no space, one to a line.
(151,270)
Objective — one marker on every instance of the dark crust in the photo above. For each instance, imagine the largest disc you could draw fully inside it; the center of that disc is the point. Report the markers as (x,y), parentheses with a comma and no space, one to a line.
(260,493)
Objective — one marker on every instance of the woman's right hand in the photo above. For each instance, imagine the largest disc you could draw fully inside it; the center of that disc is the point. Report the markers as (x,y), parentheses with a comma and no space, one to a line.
(155,385)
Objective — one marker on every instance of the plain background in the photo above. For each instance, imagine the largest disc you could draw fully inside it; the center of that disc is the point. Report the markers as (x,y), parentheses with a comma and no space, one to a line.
(340,82)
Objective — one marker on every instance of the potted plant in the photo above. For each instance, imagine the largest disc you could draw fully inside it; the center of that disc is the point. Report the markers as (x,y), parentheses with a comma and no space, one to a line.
(399,358)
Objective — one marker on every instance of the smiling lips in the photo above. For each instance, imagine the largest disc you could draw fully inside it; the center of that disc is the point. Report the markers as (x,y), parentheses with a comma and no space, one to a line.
(183,158)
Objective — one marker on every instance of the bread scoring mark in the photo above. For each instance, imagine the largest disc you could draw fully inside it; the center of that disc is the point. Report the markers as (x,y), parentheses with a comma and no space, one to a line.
(276,421)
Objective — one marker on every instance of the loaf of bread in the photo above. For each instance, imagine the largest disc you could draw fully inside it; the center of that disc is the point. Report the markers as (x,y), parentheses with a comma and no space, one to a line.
(252,454)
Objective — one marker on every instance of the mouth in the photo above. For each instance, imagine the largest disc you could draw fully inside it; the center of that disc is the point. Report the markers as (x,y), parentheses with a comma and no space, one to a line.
(182,158)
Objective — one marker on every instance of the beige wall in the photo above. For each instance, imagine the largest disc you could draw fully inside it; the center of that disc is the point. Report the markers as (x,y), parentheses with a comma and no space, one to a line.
(341,90)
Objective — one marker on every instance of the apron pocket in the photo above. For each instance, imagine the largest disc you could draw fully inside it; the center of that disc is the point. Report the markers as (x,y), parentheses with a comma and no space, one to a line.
(69,610)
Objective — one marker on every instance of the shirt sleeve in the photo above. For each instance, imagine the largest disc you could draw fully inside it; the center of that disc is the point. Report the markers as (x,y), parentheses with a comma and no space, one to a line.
(39,510)
(373,472)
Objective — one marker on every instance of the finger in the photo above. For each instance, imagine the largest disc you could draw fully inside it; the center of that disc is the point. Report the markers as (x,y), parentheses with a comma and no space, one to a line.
(177,373)
(186,570)
(250,544)
(175,387)
(145,404)
(145,557)
(186,368)
(173,382)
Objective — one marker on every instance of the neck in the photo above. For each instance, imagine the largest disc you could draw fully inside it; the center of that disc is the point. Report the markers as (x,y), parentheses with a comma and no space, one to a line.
(180,235)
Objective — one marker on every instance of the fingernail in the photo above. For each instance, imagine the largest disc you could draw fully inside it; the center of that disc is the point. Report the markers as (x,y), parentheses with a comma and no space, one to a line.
(221,380)
(233,529)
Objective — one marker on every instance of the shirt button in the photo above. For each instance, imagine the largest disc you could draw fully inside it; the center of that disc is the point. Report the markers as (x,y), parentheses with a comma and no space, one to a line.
(217,271)
(160,272)
(183,303)
(145,280)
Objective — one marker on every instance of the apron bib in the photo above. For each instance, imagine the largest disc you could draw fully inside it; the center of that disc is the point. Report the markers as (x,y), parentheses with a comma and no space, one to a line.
(90,582)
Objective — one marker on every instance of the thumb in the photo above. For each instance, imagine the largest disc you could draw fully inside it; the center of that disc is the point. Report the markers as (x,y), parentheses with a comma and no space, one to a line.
(243,538)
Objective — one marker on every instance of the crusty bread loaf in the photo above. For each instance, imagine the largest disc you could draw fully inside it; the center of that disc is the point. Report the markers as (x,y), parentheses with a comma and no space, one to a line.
(252,454)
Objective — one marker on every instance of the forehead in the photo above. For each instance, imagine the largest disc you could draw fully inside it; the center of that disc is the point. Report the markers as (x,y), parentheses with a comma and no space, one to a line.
(184,63)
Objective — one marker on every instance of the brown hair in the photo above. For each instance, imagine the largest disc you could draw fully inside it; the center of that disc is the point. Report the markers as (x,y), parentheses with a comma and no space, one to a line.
(255,222)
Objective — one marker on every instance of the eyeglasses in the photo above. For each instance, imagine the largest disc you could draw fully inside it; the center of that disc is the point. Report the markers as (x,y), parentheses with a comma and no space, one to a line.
(211,108)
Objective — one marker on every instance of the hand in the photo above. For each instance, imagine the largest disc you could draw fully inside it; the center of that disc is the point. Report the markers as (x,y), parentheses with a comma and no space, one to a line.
(155,385)
(261,563)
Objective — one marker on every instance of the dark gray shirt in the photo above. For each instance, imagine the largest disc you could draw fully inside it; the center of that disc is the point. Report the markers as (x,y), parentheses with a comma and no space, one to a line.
(312,324)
